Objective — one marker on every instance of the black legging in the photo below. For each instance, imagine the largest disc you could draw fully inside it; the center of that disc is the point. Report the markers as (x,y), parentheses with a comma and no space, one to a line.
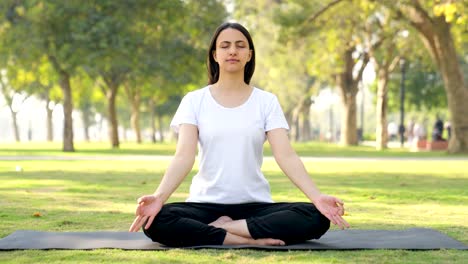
(186,224)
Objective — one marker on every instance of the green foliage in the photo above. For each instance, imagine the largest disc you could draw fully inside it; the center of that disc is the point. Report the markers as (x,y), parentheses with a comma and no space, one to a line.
(87,98)
(280,64)
(156,48)
(424,88)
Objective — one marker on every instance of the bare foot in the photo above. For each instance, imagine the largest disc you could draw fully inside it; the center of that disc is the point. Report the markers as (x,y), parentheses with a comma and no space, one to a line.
(221,221)
(232,239)
(269,242)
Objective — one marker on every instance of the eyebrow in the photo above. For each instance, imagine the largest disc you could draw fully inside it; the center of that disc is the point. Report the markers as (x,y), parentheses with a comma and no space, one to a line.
(229,42)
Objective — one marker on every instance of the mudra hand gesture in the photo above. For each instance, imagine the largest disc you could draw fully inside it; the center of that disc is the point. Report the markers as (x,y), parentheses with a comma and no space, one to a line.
(147,209)
(332,208)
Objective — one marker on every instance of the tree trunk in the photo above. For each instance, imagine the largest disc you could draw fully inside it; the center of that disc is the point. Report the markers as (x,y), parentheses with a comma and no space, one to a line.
(349,121)
(349,87)
(381,111)
(289,119)
(9,101)
(113,123)
(160,128)
(454,83)
(135,118)
(436,36)
(306,134)
(67,112)
(295,133)
(64,81)
(86,123)
(15,124)
(152,120)
(49,122)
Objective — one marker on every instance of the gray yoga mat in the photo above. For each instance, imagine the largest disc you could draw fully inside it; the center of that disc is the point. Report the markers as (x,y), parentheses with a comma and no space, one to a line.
(416,238)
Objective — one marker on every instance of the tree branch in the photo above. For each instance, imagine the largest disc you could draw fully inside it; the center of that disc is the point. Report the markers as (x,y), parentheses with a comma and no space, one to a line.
(421,10)
(312,18)
(423,24)
(365,60)
(394,63)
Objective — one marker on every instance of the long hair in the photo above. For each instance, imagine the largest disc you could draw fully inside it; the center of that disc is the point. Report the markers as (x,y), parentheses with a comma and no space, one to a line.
(212,65)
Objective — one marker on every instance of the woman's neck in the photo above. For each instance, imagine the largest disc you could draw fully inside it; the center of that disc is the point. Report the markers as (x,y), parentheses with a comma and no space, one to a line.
(231,83)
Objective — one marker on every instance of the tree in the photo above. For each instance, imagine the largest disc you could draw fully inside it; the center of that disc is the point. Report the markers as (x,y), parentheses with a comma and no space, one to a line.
(112,52)
(88,99)
(423,84)
(384,40)
(55,30)
(12,80)
(13,97)
(280,66)
(439,25)
(337,54)
(47,89)
(174,57)
(132,41)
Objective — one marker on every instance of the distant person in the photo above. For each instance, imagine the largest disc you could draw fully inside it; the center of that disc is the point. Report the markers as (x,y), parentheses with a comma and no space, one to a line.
(438,130)
(419,132)
(230,201)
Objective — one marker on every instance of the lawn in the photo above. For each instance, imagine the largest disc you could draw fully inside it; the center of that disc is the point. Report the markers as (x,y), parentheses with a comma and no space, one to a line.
(90,195)
(314,149)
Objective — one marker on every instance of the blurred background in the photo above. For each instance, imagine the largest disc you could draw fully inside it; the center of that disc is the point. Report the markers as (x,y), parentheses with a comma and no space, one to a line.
(379,73)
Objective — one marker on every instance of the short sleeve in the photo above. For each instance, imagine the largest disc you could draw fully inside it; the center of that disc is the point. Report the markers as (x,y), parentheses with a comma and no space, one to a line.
(275,116)
(185,113)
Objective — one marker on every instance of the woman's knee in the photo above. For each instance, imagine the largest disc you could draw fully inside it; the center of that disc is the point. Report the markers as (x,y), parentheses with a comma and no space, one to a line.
(159,230)
(320,226)
(315,224)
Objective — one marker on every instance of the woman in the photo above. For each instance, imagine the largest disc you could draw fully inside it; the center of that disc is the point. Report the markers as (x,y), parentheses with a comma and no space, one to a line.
(230,201)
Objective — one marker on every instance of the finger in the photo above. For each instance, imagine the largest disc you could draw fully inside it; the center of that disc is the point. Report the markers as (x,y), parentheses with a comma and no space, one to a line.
(150,221)
(138,223)
(339,201)
(331,218)
(336,221)
(346,224)
(142,199)
(132,227)
(335,210)
(342,223)
(341,211)
(138,210)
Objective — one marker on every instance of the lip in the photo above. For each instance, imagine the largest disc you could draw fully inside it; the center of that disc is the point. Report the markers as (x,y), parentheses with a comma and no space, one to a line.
(232,60)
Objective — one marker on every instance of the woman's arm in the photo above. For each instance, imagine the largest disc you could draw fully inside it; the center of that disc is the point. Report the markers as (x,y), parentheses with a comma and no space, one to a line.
(150,205)
(292,166)
(182,162)
(290,163)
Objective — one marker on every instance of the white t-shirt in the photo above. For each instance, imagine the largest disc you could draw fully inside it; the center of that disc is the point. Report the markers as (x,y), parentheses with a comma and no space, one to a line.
(230,145)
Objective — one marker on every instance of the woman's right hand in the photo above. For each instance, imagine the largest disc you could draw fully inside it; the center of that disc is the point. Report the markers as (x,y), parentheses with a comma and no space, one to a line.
(147,209)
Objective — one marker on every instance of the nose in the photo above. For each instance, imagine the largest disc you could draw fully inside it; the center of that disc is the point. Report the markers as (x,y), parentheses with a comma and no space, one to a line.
(232,50)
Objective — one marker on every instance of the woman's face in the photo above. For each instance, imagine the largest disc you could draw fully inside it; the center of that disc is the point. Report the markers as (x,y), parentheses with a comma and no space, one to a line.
(232,50)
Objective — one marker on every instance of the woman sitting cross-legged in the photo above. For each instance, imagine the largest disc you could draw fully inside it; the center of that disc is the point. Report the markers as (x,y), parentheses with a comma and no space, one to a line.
(230,201)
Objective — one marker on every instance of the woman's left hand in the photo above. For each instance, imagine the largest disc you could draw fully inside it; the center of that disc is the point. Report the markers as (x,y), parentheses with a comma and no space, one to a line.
(332,208)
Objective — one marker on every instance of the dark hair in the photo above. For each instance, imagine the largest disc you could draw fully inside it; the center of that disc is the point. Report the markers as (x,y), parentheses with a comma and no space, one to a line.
(212,65)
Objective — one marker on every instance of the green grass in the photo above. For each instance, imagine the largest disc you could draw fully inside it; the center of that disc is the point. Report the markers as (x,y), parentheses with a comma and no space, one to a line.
(314,149)
(89,195)
(85,149)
